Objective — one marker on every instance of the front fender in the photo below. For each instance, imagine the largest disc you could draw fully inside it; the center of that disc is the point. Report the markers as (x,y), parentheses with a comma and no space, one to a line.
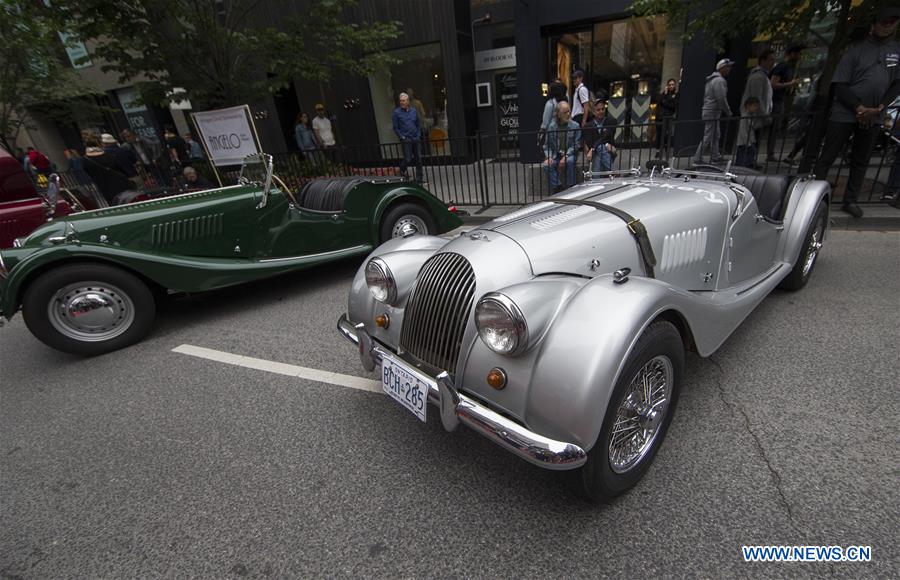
(362,306)
(584,351)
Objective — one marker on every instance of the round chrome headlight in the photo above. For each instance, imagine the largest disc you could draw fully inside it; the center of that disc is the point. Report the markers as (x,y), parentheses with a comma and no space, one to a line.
(500,324)
(380,281)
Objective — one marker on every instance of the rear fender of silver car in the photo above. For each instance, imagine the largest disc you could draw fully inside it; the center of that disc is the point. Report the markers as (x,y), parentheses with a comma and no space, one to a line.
(801,209)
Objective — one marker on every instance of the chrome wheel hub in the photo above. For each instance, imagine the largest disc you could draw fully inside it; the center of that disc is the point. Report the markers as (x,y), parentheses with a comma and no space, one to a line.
(815,244)
(640,414)
(408,225)
(90,311)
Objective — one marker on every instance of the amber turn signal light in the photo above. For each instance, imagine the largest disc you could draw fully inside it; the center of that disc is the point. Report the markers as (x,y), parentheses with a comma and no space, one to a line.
(382,321)
(496,378)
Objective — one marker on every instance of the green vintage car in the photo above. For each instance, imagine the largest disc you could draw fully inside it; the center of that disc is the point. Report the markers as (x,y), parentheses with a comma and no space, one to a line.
(86,283)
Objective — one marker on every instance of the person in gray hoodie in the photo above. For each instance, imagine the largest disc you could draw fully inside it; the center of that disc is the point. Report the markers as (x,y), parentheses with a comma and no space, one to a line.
(715,103)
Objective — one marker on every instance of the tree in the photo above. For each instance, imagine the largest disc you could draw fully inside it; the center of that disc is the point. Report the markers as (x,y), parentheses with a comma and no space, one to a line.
(33,73)
(220,51)
(783,20)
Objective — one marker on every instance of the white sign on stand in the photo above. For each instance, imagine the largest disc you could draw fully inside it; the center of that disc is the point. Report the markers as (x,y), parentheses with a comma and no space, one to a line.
(228,135)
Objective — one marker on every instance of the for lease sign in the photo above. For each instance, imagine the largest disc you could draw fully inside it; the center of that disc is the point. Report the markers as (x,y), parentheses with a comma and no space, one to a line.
(227,134)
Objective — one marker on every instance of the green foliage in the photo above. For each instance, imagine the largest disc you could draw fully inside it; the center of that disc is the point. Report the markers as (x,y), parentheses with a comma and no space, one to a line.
(225,52)
(34,72)
(781,19)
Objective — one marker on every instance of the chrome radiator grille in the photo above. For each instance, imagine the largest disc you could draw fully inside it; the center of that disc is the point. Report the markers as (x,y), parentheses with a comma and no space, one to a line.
(437,311)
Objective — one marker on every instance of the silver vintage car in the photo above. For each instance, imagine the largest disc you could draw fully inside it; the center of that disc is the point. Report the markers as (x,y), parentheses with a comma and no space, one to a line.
(558,331)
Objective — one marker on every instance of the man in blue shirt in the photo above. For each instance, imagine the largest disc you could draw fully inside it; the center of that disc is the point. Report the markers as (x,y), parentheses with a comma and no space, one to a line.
(408,128)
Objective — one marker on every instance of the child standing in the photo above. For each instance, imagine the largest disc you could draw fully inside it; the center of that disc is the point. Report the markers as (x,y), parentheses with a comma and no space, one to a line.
(746,137)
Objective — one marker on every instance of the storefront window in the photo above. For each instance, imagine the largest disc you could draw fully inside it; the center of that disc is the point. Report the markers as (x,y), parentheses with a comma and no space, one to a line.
(419,71)
(627,60)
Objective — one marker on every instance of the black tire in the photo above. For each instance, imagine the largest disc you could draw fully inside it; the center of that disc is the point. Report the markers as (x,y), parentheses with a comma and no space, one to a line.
(600,482)
(402,211)
(815,234)
(127,316)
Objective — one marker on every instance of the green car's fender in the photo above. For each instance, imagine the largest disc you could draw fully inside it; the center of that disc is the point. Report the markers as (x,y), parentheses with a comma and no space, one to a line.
(179,273)
(444,219)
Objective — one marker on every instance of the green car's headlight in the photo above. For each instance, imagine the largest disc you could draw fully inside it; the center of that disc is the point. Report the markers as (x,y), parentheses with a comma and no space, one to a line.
(380,281)
(501,324)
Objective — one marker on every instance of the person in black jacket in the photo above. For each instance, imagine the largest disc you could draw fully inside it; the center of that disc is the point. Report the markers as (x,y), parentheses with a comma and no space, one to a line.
(125,157)
(598,137)
(103,168)
(666,110)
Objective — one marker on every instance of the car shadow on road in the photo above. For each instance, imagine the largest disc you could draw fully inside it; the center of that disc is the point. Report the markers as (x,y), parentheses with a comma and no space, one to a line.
(177,311)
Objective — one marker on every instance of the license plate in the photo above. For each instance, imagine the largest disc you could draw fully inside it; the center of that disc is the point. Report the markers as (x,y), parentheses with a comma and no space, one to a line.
(404,387)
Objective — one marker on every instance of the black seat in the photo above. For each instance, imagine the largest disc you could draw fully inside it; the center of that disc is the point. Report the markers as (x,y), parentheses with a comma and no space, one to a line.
(770,192)
(327,194)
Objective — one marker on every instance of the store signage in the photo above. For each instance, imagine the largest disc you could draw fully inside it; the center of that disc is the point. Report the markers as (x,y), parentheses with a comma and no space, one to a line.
(507,109)
(496,58)
(139,117)
(177,100)
(78,54)
(227,134)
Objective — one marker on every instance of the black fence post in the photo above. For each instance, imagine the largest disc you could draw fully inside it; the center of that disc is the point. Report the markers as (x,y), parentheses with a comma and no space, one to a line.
(482,170)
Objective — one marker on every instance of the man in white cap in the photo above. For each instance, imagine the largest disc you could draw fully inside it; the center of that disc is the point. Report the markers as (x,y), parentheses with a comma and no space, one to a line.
(715,103)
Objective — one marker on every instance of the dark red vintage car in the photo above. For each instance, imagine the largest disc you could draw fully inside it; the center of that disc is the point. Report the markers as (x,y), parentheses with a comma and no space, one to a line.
(22,209)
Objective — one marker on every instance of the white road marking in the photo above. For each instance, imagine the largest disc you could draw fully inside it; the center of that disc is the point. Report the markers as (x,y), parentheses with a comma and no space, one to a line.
(278,368)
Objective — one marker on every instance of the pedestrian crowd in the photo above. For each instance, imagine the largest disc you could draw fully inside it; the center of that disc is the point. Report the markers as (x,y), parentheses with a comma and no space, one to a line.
(865,84)
(582,128)
(121,169)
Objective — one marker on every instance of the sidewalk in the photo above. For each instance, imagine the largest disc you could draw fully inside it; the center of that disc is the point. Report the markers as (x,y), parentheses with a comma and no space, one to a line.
(878,216)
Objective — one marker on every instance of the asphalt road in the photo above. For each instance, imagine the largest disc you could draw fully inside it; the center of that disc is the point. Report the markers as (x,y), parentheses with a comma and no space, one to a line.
(147,462)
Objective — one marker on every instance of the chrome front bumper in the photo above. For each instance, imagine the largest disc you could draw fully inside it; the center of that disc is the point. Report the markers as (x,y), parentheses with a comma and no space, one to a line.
(455,407)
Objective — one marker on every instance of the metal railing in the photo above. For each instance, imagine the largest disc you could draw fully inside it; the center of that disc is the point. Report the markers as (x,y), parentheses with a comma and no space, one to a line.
(511,169)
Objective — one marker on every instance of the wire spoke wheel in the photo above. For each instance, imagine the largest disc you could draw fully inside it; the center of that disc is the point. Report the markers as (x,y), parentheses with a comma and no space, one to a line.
(815,244)
(640,414)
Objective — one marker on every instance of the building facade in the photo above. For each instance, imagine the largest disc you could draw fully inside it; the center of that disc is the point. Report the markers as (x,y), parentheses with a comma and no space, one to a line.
(471,66)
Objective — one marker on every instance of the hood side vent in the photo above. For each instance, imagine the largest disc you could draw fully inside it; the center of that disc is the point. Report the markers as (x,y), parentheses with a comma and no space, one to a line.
(188,229)
(561,217)
(683,249)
